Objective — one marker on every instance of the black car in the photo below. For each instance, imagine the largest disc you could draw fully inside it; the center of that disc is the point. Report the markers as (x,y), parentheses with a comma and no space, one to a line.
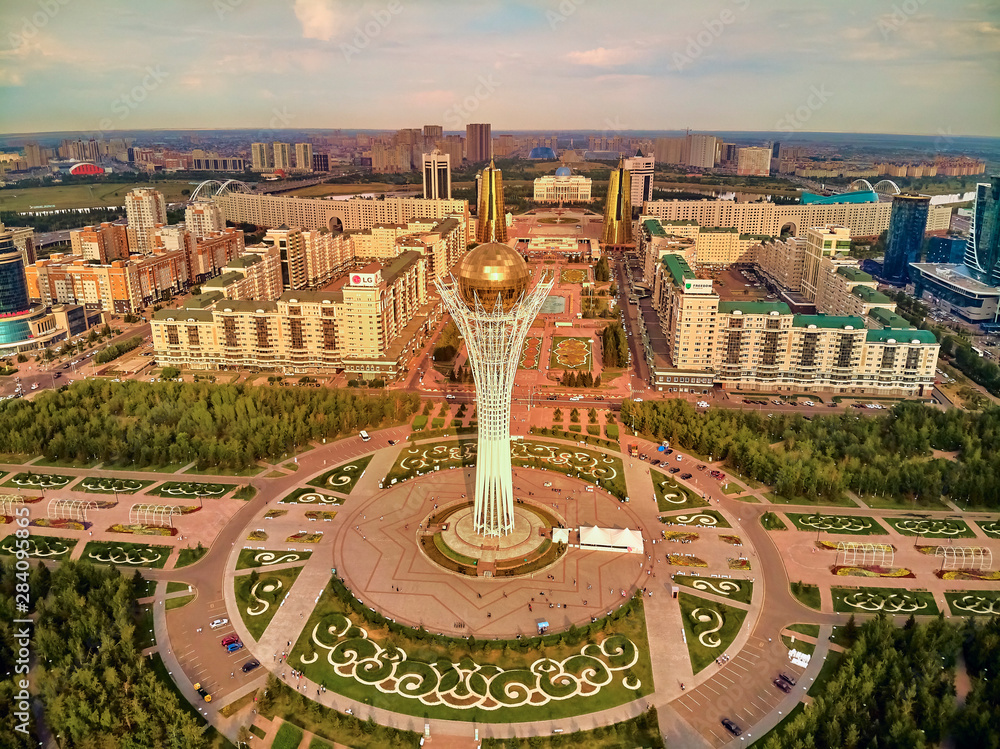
(734,729)
(785,677)
(668,451)
(685,476)
(656,462)
(675,469)
(392,442)
(250,666)
(782,685)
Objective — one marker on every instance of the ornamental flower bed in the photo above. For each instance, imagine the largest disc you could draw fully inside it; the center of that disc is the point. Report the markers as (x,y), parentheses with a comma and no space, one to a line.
(930,550)
(320,515)
(686,560)
(734,540)
(680,536)
(738,564)
(872,571)
(143,530)
(271,514)
(257,535)
(305,538)
(967,575)
(63,525)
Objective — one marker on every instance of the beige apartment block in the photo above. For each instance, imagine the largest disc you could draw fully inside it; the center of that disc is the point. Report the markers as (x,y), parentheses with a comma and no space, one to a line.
(256,275)
(782,262)
(145,209)
(821,242)
(103,243)
(370,325)
(203,217)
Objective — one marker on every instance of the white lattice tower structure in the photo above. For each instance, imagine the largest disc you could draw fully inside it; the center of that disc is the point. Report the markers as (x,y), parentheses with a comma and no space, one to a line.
(494,340)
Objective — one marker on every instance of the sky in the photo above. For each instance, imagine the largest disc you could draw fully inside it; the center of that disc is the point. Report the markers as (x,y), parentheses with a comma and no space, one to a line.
(879,66)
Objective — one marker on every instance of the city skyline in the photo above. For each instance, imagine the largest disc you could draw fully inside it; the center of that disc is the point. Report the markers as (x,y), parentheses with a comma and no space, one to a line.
(779,66)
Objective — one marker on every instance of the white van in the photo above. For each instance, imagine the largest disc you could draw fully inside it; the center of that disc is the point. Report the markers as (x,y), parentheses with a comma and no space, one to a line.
(364,436)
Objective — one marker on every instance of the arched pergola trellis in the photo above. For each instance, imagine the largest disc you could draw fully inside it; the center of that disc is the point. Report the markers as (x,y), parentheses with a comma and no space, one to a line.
(965,557)
(143,513)
(850,553)
(9,503)
(69,509)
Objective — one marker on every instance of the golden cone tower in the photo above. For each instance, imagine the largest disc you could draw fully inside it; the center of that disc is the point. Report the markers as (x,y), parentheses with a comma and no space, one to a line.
(491,218)
(618,209)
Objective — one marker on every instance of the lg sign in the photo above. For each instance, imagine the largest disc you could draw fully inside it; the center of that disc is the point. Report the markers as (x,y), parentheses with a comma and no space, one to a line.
(363,279)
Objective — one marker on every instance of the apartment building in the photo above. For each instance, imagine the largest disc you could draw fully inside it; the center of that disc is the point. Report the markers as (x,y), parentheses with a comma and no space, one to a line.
(753,162)
(304,157)
(206,255)
(145,209)
(821,242)
(782,262)
(102,244)
(310,259)
(711,245)
(844,289)
(203,217)
(370,325)
(282,157)
(256,275)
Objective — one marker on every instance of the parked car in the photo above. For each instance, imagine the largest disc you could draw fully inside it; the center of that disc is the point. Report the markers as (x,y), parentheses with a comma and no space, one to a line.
(230,639)
(785,677)
(234,646)
(250,666)
(675,469)
(685,476)
(202,691)
(219,623)
(780,684)
(734,729)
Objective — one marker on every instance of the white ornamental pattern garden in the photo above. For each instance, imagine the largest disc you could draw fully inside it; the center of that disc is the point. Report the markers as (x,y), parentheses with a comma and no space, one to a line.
(978,604)
(467,684)
(834,523)
(896,603)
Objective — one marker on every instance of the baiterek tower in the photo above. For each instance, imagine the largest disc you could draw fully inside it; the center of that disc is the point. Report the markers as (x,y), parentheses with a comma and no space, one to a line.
(489,299)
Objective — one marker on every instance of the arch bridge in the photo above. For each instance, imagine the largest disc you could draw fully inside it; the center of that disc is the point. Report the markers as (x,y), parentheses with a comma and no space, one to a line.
(214,187)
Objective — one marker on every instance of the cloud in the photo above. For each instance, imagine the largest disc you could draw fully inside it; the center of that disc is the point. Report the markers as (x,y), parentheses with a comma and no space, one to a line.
(602,57)
(318,19)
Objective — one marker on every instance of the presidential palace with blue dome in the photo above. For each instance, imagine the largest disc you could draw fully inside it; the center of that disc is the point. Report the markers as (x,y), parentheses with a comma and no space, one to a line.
(563,186)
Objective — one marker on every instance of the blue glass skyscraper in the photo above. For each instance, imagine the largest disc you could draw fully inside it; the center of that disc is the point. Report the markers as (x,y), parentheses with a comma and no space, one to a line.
(905,236)
(982,252)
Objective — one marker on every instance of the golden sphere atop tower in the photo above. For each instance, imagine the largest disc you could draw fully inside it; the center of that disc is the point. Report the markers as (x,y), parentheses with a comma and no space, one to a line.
(492,269)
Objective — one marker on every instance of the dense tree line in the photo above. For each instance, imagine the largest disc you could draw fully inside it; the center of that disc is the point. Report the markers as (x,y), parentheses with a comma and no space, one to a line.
(614,345)
(602,271)
(895,689)
(97,690)
(887,455)
(225,426)
(112,352)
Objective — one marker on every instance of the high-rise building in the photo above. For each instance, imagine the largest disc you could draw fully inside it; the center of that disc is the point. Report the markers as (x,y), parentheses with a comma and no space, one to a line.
(703,150)
(260,157)
(821,242)
(23,325)
(905,237)
(282,156)
(454,146)
(982,253)
(672,150)
(304,157)
(640,169)
(754,162)
(144,209)
(617,229)
(321,162)
(203,217)
(491,304)
(434,132)
(504,145)
(491,216)
(437,175)
(478,142)
(35,155)
(104,243)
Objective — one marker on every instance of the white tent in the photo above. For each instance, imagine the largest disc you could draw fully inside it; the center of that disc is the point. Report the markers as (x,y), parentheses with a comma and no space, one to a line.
(560,535)
(611,539)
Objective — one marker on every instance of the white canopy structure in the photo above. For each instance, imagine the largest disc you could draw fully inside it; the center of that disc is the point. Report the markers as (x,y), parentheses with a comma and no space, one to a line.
(611,539)
(560,535)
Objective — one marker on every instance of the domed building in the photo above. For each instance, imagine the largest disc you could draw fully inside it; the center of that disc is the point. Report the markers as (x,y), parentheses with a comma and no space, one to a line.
(542,153)
(563,186)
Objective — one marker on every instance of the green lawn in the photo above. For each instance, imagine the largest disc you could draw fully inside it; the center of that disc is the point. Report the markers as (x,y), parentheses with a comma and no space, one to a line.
(571,352)
(176,587)
(641,731)
(900,503)
(772,522)
(732,487)
(931,527)
(41,547)
(188,556)
(794,643)
(307,496)
(890,600)
(973,602)
(191,490)
(855,525)
(126,554)
(807,594)
(176,603)
(98,195)
(318,743)
(38,481)
(249,558)
(830,665)
(710,628)
(96,485)
(990,527)
(258,607)
(736,590)
(216,471)
(154,468)
(416,460)
(491,671)
(144,626)
(672,496)
(812,630)
(344,477)
(289,736)
(44,462)
(605,471)
(245,492)
(820,501)
(702,518)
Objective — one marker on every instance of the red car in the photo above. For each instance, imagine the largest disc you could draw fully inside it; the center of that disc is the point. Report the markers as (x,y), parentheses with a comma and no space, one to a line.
(229,640)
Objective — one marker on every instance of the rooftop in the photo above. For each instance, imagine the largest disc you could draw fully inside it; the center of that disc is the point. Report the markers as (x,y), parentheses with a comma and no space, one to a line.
(888,319)
(854,274)
(679,270)
(222,281)
(889,335)
(870,295)
(201,301)
(842,322)
(753,308)
(859,196)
